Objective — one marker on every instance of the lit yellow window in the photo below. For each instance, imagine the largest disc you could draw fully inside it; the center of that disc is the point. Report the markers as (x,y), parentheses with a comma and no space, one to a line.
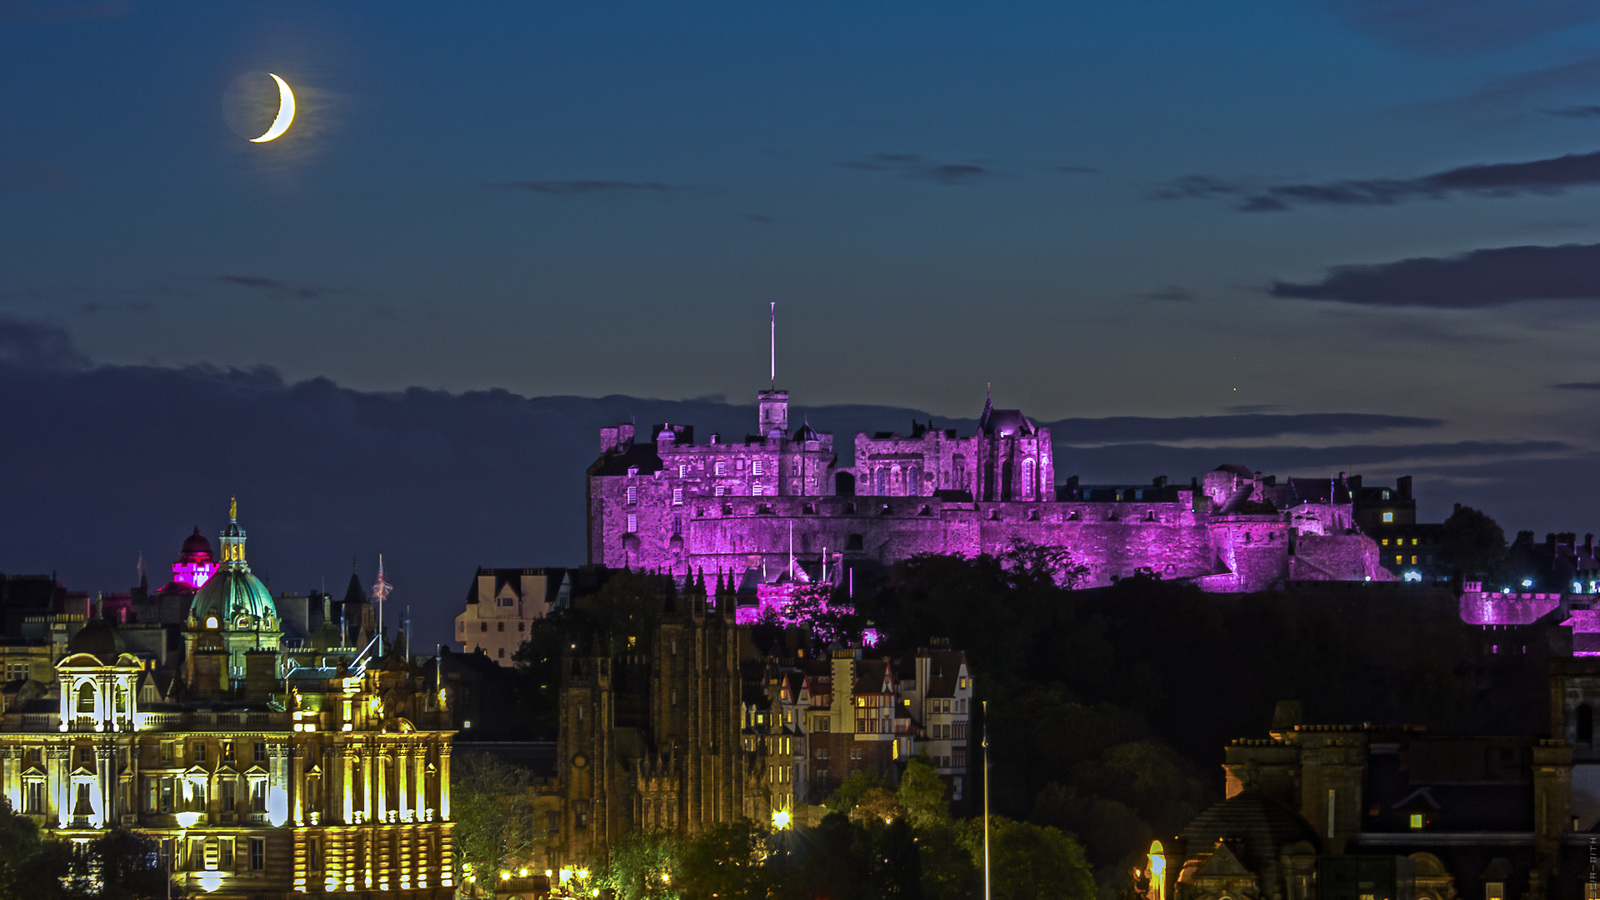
(1413,560)
(1398,559)
(1413,542)
(1386,542)
(1388,517)
(1416,820)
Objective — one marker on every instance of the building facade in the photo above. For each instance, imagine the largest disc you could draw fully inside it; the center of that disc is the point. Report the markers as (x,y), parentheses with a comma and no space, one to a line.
(695,725)
(261,771)
(667,504)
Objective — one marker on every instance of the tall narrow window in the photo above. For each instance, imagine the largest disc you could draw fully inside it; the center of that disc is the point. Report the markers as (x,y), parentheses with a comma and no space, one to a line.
(721,468)
(755,467)
(633,493)
(633,523)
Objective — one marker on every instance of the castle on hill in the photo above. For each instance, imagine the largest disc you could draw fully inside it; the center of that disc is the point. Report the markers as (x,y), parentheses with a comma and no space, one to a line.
(776,505)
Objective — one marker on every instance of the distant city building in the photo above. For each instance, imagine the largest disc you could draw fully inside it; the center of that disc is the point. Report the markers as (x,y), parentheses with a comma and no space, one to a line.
(262,770)
(667,504)
(694,725)
(501,605)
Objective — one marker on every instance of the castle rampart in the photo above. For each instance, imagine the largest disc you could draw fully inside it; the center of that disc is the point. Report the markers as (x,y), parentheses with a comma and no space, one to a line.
(726,508)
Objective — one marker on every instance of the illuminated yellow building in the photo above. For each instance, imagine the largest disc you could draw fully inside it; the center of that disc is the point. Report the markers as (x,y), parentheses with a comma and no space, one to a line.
(270,777)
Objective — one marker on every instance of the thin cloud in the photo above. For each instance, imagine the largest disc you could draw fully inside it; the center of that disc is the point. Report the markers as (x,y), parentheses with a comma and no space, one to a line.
(1481,278)
(587,187)
(275,286)
(1577,386)
(1575,112)
(911,165)
(1452,26)
(1076,170)
(38,345)
(1541,176)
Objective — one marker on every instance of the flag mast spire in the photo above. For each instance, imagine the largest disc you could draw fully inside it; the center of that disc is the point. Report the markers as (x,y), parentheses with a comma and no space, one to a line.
(772,347)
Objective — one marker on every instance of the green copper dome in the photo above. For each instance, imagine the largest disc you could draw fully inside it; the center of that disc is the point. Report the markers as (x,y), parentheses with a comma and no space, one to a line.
(233,596)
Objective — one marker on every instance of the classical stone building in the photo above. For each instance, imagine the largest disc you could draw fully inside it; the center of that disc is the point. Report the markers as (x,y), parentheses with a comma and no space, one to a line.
(665,503)
(261,771)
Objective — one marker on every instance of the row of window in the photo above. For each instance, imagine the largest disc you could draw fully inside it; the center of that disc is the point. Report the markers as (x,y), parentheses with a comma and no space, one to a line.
(214,854)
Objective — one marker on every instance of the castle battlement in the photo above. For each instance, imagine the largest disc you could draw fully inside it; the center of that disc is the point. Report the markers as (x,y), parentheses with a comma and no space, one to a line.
(721,508)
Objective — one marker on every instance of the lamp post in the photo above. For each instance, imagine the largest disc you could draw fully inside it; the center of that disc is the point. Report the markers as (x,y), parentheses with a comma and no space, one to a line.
(985,707)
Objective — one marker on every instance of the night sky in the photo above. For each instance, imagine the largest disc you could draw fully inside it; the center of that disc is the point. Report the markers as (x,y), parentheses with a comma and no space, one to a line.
(1305,236)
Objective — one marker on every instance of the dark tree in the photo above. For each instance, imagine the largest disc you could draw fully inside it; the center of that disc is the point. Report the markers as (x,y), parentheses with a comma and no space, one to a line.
(1472,542)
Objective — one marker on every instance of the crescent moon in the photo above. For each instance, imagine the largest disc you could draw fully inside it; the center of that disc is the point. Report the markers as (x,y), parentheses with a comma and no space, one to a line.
(285,112)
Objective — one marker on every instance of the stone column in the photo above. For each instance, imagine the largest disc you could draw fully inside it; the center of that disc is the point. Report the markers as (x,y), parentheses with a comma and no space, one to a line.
(106,778)
(297,784)
(419,780)
(380,771)
(444,782)
(346,764)
(402,774)
(60,783)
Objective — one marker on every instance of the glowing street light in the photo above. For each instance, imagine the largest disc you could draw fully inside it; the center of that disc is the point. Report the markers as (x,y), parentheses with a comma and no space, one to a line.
(781,819)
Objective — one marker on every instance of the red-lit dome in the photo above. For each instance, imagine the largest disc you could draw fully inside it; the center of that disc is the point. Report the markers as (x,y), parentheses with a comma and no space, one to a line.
(196,548)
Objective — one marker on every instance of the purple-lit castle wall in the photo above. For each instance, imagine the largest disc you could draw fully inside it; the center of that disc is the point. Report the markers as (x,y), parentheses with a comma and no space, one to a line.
(671,505)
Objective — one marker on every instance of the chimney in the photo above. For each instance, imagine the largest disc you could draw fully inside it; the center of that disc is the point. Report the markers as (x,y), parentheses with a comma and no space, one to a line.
(260,674)
(1402,486)
(208,674)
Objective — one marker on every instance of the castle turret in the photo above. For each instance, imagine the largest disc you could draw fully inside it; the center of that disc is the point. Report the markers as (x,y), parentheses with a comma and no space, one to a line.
(774,405)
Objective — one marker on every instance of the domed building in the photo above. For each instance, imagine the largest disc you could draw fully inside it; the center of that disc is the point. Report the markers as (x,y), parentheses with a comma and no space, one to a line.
(195,565)
(230,616)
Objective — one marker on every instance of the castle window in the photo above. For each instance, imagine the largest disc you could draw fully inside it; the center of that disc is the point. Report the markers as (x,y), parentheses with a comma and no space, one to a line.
(633,493)
(720,468)
(683,470)
(755,489)
(633,523)
(719,490)
(677,496)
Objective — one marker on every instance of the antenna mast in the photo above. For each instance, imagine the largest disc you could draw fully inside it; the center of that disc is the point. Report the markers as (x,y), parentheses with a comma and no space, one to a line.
(772,348)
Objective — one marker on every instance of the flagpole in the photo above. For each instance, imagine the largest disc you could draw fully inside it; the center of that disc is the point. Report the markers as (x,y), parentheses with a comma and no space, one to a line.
(986,800)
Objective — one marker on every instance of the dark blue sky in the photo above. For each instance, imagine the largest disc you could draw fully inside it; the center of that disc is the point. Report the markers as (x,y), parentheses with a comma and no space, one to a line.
(1137,209)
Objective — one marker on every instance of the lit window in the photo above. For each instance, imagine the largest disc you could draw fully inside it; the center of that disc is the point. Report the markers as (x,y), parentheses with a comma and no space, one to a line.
(755,467)
(1386,542)
(633,523)
(633,493)
(755,490)
(677,496)
(1413,560)
(721,468)
(1416,820)
(1413,542)
(1388,516)
(720,490)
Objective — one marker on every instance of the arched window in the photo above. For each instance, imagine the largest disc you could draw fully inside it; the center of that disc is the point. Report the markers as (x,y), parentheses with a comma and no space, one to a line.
(1585,724)
(86,698)
(914,481)
(880,481)
(958,465)
(1027,477)
(897,484)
